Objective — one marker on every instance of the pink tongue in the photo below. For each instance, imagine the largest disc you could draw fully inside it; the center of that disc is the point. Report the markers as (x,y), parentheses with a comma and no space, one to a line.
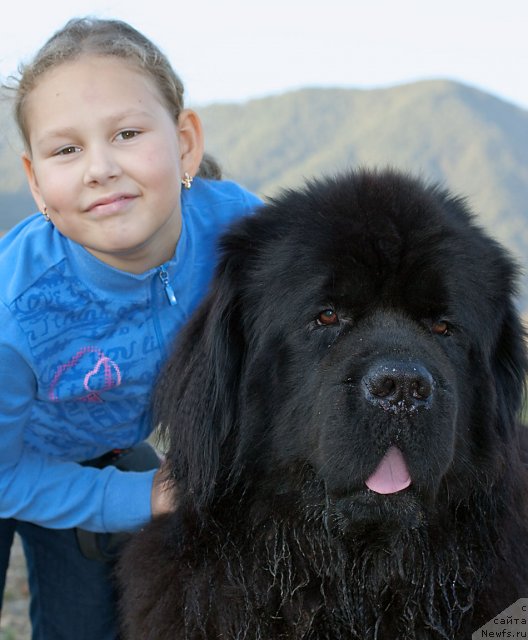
(391,475)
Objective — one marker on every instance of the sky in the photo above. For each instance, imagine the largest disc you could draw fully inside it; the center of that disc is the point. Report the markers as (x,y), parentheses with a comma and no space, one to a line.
(236,50)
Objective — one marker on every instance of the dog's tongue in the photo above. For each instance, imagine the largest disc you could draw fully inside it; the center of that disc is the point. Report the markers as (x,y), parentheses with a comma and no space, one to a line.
(391,475)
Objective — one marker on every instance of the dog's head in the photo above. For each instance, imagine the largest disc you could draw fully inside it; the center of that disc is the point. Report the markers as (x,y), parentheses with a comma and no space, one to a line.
(360,331)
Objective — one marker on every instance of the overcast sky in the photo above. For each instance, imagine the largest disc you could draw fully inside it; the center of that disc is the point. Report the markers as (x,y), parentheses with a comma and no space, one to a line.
(232,50)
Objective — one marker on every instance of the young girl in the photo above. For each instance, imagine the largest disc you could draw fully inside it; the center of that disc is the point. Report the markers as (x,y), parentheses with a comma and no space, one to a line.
(92,293)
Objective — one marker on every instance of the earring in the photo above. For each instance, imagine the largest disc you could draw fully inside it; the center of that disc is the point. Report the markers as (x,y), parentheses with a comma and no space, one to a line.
(187,180)
(45,213)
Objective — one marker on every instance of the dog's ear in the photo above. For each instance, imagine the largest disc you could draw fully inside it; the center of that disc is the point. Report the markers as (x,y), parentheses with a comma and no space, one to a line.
(197,393)
(510,367)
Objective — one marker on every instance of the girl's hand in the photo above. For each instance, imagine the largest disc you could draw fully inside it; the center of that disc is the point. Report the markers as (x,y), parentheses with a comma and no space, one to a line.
(164,497)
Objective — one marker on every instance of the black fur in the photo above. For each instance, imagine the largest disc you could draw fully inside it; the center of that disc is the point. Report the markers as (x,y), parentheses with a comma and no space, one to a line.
(275,423)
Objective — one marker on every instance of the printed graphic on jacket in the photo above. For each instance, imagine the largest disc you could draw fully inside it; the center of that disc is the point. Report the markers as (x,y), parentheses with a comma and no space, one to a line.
(100,374)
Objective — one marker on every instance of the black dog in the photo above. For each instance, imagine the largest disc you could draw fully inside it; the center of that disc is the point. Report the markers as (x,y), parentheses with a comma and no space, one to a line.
(342,417)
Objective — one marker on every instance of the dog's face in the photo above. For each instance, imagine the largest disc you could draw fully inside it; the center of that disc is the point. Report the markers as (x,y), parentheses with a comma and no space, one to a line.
(376,343)
(375,320)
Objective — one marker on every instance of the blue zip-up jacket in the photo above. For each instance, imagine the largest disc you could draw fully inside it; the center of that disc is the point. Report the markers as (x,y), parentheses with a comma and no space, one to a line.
(81,344)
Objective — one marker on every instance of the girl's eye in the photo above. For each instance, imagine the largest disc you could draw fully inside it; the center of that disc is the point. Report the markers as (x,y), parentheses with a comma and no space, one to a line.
(66,151)
(327,317)
(128,134)
(441,328)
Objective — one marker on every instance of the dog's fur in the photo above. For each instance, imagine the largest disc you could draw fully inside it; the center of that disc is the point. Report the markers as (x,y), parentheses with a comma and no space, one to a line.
(278,409)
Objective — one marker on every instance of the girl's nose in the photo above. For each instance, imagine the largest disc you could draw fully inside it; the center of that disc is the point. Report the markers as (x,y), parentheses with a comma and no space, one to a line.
(101,166)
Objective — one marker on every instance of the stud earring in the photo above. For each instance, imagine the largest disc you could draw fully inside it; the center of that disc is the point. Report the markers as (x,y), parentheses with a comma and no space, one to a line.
(45,213)
(187,180)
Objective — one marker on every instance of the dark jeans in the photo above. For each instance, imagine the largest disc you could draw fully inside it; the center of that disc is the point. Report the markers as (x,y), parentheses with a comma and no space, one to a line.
(7,531)
(72,598)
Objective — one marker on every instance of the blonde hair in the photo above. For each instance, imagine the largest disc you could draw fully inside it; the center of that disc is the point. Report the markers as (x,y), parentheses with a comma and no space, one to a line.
(95,36)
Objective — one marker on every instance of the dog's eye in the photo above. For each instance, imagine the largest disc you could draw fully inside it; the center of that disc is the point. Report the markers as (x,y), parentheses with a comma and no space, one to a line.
(327,317)
(441,328)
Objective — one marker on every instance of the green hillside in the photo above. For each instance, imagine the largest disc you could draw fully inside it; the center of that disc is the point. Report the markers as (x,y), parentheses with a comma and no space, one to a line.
(471,141)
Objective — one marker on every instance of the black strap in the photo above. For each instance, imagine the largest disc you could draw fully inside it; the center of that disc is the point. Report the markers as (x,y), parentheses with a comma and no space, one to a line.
(105,547)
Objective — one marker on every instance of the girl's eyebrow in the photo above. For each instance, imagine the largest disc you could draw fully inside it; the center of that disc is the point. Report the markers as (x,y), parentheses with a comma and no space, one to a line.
(52,134)
(133,112)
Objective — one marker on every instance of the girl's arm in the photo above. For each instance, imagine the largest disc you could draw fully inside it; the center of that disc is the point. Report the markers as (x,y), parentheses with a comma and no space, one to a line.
(46,491)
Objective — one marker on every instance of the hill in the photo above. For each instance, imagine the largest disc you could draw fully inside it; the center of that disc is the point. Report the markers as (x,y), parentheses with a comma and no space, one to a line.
(473,142)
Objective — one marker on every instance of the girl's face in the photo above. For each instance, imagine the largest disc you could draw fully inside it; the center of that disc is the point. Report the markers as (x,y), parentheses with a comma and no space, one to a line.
(107,160)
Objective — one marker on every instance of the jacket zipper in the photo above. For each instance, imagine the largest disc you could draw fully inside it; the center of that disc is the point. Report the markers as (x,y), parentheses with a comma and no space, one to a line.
(169,291)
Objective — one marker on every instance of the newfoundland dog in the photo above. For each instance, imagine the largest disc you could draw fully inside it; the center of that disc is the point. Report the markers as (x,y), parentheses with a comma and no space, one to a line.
(342,418)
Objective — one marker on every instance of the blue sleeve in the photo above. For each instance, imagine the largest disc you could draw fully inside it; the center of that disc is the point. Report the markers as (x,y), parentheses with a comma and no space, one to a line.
(47,491)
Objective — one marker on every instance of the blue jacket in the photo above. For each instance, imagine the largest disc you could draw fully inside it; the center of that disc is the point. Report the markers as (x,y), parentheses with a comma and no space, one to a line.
(81,344)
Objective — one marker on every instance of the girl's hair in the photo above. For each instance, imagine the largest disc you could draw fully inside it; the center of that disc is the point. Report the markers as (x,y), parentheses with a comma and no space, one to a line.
(100,37)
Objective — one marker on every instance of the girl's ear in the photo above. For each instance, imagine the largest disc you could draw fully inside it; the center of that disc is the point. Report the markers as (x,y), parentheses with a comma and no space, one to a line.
(27,163)
(191,141)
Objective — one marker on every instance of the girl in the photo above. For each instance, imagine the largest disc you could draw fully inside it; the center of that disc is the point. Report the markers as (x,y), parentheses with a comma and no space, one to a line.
(92,293)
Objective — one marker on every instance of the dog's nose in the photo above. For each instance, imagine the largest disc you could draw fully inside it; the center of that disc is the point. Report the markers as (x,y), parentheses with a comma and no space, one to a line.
(403,385)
